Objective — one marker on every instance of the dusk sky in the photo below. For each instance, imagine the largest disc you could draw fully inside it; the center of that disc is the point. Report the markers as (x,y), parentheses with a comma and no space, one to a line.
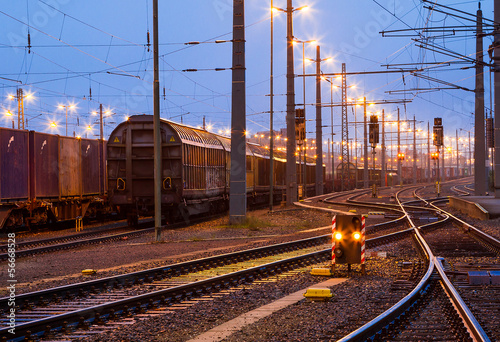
(78,47)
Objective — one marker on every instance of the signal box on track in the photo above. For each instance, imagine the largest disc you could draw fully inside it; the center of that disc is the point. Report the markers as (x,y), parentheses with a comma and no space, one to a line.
(348,235)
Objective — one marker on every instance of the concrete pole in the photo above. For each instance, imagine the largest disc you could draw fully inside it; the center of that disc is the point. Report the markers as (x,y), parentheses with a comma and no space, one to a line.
(400,175)
(470,157)
(496,158)
(382,152)
(237,188)
(458,167)
(291,168)
(102,162)
(414,150)
(304,174)
(156,120)
(328,155)
(429,176)
(365,133)
(319,128)
(443,171)
(480,181)
(356,144)
(271,119)
(331,114)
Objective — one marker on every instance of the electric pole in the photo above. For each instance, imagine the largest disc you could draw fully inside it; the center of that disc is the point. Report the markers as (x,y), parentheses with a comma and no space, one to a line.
(480,179)
(414,150)
(291,169)
(496,70)
(399,152)
(271,120)
(382,152)
(319,128)
(429,178)
(345,135)
(156,124)
(365,147)
(237,188)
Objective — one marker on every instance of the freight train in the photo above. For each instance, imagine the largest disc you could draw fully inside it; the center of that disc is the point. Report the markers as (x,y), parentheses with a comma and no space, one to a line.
(195,170)
(47,178)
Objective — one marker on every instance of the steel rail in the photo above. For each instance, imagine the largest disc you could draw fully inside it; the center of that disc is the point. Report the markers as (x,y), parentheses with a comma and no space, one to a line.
(378,323)
(492,241)
(371,328)
(176,294)
(179,268)
(73,244)
(471,322)
(38,328)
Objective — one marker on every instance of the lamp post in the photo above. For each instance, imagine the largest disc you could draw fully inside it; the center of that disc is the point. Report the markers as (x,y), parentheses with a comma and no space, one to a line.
(66,107)
(304,176)
(319,129)
(9,113)
(271,119)
(291,171)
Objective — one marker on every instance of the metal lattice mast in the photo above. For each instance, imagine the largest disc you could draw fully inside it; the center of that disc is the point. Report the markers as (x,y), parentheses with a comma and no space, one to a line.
(345,134)
(20,108)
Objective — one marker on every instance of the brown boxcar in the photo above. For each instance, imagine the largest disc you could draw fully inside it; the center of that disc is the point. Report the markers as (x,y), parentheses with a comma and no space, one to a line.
(195,170)
(46,177)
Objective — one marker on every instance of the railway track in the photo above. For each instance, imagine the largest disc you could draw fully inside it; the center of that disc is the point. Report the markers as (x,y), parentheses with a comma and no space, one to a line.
(182,284)
(72,310)
(435,309)
(54,244)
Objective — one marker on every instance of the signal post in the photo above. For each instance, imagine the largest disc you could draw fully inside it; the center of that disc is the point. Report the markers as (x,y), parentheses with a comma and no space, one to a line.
(437,139)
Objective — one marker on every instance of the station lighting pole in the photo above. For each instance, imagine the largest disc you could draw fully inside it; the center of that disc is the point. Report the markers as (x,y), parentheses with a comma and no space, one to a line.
(429,151)
(414,150)
(365,166)
(382,152)
(271,119)
(66,107)
(304,172)
(319,128)
(399,152)
(156,125)
(458,167)
(330,80)
(9,113)
(291,170)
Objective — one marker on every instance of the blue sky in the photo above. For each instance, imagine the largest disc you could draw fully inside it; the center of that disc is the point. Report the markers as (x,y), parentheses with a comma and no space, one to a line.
(100,46)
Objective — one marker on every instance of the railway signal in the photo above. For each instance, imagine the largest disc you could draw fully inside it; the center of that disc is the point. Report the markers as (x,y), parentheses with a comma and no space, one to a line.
(437,138)
(300,124)
(348,240)
(437,129)
(374,130)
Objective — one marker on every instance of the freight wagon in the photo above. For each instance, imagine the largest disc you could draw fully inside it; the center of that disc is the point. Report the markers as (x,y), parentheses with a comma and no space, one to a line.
(47,178)
(195,170)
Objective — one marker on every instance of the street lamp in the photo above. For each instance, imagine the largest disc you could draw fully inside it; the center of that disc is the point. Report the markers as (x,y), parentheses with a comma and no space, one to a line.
(303,42)
(71,106)
(291,172)
(319,129)
(9,113)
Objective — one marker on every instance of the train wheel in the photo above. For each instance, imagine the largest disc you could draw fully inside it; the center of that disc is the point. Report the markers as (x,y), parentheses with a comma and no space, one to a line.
(132,220)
